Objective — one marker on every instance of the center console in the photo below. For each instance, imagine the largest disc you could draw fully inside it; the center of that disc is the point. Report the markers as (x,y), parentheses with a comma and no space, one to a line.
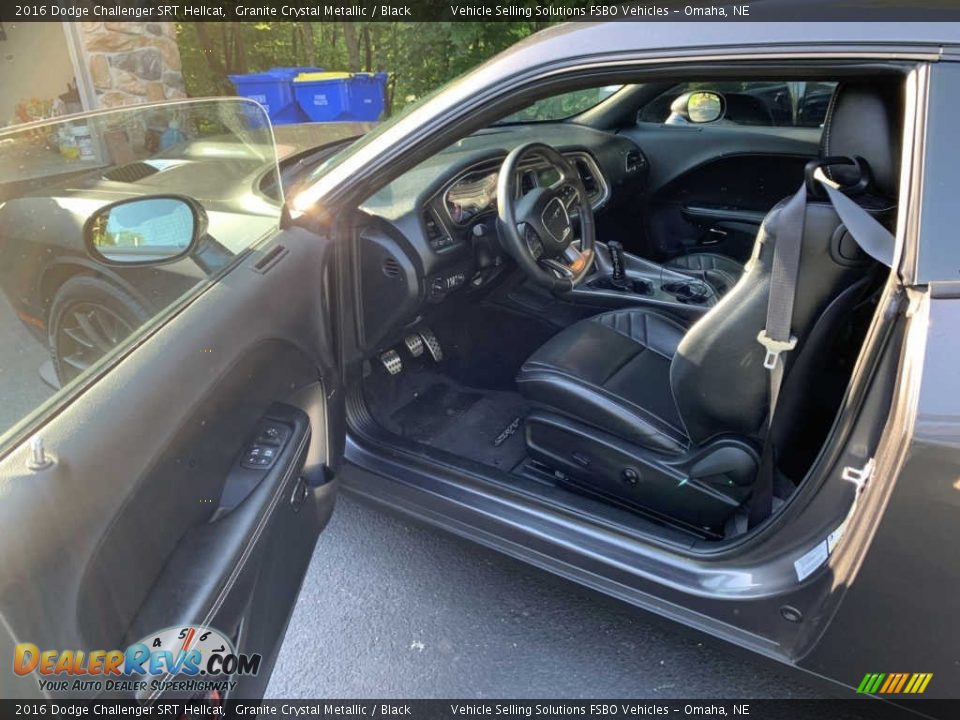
(623,280)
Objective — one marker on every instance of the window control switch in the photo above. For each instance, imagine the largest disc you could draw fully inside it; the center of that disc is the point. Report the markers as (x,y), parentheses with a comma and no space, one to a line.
(259,456)
(271,437)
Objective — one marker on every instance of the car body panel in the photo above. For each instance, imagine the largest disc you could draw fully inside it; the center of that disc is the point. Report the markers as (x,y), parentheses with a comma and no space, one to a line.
(898,611)
(938,252)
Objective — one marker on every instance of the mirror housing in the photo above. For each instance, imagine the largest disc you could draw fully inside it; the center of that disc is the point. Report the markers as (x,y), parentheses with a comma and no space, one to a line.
(145,231)
(699,106)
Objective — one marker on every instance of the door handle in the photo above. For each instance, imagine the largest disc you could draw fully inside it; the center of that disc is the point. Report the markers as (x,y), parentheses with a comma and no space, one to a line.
(300,492)
(713,236)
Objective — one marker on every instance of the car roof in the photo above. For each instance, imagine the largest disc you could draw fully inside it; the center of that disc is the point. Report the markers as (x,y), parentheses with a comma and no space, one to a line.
(577,39)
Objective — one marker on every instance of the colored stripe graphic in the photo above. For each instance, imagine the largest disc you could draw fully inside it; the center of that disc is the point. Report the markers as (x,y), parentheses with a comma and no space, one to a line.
(894,683)
(891,680)
(903,680)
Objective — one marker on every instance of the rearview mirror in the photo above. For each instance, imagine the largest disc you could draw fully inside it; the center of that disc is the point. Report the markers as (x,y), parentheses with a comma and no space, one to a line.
(145,230)
(700,106)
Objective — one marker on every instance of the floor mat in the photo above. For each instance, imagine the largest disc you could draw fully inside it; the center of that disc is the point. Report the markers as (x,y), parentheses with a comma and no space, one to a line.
(430,408)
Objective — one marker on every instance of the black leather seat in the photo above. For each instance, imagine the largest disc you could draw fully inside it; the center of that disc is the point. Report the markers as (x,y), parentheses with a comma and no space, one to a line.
(636,406)
(613,371)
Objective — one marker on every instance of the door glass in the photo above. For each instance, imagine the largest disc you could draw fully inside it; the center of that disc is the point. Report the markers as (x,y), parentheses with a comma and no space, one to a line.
(107,219)
(761,103)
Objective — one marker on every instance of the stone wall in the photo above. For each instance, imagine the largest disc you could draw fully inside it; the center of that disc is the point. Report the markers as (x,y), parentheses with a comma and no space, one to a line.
(131,62)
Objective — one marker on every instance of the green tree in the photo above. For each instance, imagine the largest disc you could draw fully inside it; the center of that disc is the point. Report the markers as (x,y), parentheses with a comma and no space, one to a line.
(418,56)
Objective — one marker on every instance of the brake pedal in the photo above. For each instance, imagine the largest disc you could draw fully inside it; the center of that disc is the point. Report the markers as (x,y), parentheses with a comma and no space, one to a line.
(414,345)
(392,362)
(433,345)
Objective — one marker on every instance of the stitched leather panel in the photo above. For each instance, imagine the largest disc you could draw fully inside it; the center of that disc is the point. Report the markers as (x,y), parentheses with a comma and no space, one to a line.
(613,372)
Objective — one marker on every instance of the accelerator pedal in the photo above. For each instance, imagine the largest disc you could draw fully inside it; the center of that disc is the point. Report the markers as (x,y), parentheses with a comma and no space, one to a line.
(414,344)
(392,362)
(433,345)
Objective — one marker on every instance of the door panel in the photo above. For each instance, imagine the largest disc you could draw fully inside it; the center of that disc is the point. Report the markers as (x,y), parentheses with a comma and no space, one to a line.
(149,518)
(710,187)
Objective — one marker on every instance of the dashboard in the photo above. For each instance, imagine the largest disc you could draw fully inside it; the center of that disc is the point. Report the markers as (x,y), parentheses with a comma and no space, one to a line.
(471,195)
(474,193)
(431,235)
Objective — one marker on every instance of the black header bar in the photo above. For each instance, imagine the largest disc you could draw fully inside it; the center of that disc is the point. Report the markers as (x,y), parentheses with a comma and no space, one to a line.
(558,709)
(480,10)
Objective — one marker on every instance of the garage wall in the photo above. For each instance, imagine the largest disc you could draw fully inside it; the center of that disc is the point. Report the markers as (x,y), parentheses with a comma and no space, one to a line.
(34,63)
(130,62)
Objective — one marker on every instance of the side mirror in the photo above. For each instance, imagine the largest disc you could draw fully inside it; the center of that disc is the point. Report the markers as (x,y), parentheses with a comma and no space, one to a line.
(143,231)
(699,106)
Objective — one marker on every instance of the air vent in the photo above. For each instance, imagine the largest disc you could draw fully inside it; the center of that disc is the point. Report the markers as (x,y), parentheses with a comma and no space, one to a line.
(270,259)
(586,175)
(436,233)
(391,268)
(131,172)
(433,227)
(634,161)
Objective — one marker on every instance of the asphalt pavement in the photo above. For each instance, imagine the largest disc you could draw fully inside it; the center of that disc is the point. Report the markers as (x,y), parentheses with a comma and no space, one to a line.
(394,609)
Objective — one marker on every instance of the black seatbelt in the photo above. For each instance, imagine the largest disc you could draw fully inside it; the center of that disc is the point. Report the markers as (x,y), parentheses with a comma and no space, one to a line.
(871,236)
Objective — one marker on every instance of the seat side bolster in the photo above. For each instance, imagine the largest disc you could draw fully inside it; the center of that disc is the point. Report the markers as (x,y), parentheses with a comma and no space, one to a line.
(656,332)
(594,405)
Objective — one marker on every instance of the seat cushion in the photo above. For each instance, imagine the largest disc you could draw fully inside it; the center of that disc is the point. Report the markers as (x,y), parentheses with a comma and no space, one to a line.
(612,371)
(720,271)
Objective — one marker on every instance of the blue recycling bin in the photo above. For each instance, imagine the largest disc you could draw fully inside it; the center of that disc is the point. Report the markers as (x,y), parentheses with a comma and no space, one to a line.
(273,89)
(341,96)
(368,92)
(322,96)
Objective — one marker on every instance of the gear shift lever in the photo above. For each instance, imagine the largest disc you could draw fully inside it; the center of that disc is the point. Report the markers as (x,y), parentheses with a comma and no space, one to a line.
(618,276)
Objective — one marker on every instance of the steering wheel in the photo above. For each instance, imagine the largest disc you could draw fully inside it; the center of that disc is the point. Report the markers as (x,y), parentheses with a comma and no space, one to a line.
(537,230)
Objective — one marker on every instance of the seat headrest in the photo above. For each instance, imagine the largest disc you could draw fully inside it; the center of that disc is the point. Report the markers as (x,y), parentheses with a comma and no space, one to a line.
(866,119)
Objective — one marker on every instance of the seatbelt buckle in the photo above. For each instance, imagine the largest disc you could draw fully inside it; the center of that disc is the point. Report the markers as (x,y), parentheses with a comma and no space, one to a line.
(774,348)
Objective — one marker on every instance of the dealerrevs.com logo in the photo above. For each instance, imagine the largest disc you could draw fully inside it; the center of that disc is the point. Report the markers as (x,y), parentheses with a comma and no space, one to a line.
(191,658)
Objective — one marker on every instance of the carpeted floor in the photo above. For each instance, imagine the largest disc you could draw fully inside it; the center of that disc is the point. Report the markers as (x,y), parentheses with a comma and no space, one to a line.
(424,405)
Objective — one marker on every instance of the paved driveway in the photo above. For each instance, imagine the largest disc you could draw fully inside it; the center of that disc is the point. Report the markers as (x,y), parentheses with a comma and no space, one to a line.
(392,609)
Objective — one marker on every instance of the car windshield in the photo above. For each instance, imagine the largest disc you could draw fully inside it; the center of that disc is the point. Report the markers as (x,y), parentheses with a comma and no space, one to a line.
(376,132)
(561,107)
(551,109)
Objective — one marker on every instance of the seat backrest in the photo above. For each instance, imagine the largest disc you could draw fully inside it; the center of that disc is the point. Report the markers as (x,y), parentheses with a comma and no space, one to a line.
(717,375)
